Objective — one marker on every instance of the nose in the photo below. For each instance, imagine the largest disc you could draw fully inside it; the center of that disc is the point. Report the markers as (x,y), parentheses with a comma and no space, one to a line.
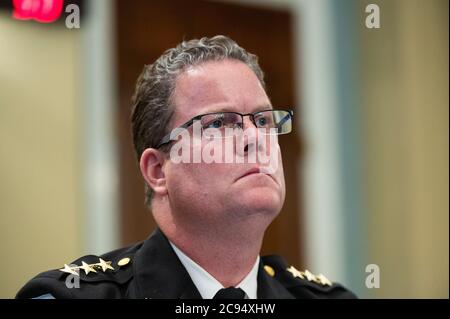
(248,121)
(250,138)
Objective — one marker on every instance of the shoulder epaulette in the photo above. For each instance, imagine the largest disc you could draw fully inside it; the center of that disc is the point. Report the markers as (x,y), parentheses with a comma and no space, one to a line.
(94,268)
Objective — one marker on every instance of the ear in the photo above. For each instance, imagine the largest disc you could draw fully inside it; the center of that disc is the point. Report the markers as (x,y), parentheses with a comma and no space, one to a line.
(152,169)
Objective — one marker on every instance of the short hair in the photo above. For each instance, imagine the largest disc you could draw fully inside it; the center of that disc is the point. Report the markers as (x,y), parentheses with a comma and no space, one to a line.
(152,109)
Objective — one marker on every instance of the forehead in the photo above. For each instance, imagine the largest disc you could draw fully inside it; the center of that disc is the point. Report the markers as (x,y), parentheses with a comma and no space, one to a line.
(214,86)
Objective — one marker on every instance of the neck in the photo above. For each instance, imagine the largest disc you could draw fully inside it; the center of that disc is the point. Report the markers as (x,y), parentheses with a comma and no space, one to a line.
(228,258)
(227,252)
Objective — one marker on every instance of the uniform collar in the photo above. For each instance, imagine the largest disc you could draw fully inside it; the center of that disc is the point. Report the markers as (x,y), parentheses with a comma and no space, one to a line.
(158,273)
(207,285)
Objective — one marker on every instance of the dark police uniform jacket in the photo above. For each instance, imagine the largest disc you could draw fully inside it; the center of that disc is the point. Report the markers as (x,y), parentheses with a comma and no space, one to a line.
(151,269)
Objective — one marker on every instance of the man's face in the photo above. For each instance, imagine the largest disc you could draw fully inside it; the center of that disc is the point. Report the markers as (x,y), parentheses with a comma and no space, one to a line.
(220,192)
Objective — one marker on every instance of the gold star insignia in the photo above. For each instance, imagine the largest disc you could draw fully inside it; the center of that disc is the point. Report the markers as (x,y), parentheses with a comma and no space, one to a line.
(318,279)
(69,270)
(87,268)
(105,265)
(323,280)
(309,275)
(295,272)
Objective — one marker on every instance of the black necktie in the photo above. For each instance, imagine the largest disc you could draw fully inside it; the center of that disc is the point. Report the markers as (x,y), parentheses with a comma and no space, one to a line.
(230,293)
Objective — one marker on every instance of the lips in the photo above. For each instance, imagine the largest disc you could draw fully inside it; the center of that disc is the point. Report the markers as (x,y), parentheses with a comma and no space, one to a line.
(254,170)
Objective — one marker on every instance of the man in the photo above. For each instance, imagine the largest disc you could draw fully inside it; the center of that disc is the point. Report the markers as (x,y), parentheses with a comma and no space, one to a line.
(212,201)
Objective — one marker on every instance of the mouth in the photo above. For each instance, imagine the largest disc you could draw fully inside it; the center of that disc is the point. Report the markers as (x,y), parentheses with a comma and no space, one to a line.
(254,171)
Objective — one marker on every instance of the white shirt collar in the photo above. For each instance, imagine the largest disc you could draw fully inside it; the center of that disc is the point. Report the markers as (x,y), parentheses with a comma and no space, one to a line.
(207,285)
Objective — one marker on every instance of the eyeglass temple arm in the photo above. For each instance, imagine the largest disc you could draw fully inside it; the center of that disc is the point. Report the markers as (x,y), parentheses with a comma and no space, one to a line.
(166,139)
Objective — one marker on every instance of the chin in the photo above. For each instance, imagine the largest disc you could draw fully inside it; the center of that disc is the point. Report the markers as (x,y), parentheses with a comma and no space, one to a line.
(261,201)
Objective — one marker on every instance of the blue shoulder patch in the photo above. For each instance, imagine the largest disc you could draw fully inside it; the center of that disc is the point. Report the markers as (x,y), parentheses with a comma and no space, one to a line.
(46,296)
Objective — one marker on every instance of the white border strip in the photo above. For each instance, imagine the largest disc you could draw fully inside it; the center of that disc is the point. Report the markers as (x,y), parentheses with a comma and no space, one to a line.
(101,232)
(323,198)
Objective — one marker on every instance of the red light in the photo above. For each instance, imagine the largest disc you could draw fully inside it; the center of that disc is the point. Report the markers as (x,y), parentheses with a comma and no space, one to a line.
(45,11)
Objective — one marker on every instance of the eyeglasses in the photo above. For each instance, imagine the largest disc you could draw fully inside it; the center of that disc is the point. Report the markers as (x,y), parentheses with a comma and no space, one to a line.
(275,122)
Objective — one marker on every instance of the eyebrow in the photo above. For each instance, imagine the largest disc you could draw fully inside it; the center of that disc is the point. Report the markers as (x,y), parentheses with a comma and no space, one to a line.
(255,109)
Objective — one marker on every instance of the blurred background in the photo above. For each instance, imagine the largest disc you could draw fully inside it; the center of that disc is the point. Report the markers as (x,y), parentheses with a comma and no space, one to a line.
(366,170)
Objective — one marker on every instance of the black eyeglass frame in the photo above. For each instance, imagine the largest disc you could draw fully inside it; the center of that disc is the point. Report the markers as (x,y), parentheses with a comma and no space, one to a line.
(166,139)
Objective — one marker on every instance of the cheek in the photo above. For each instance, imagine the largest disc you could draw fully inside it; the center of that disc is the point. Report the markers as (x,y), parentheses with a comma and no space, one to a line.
(196,177)
(178,178)
(276,165)
(279,172)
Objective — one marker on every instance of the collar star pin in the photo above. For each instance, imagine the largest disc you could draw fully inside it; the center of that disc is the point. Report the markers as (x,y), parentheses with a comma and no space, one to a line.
(105,265)
(309,275)
(69,270)
(87,268)
(323,280)
(295,272)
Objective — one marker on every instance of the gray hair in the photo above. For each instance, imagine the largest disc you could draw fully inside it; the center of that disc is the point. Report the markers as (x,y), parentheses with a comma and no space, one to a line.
(152,108)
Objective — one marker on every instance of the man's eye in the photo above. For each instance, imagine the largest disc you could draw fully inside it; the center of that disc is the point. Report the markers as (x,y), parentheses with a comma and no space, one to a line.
(261,121)
(214,124)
